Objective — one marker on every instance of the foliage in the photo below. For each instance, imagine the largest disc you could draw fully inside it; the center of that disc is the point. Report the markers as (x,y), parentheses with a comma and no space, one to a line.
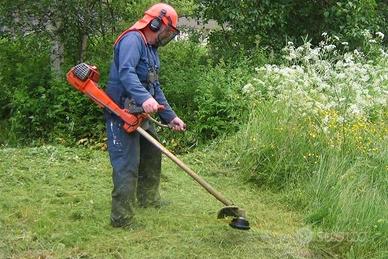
(38,107)
(206,96)
(245,24)
(48,18)
(183,64)
(220,107)
(248,24)
(82,21)
(350,18)
(317,81)
(44,109)
(23,78)
(318,132)
(136,8)
(311,125)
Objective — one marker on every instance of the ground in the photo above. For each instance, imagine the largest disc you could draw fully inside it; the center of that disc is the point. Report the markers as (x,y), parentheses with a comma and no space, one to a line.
(55,203)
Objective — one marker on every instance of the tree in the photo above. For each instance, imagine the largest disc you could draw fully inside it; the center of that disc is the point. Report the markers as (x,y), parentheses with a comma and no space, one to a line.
(249,24)
(67,24)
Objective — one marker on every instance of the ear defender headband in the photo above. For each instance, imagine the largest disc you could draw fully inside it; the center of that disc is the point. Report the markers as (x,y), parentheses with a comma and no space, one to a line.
(156,23)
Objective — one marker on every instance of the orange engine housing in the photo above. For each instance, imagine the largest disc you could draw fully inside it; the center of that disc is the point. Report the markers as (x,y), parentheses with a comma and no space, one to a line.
(85,78)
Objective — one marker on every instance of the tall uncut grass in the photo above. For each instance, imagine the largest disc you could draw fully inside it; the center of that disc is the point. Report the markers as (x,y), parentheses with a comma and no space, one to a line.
(318,132)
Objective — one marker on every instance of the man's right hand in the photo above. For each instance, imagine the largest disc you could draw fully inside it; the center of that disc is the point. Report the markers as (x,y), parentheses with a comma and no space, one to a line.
(150,105)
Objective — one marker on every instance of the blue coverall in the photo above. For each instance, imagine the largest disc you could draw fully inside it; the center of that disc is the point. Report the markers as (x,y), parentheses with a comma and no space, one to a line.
(135,161)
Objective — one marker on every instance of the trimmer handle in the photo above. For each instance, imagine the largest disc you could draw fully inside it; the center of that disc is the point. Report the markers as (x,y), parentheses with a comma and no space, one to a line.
(138,109)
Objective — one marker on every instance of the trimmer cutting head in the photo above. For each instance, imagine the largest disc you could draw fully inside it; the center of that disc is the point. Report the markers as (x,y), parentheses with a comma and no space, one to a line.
(240,223)
(239,220)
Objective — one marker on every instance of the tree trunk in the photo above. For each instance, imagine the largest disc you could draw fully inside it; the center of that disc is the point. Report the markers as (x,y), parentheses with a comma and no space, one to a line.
(54,28)
(84,45)
(56,56)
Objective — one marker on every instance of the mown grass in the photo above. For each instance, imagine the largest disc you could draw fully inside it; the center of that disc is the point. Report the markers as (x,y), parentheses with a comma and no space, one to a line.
(55,203)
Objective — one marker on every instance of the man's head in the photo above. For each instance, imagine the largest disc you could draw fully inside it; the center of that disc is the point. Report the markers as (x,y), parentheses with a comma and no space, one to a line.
(159,24)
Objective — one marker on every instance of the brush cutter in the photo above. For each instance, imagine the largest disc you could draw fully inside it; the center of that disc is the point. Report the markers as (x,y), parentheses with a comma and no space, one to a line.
(84,78)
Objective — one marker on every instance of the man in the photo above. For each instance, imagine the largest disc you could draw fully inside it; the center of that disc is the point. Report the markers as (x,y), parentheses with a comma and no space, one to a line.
(134,80)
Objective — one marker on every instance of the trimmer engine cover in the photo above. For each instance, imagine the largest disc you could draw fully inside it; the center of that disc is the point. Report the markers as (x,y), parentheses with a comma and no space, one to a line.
(84,78)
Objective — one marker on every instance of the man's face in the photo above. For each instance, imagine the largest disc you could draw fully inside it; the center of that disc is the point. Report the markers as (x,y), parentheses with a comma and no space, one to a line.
(165,35)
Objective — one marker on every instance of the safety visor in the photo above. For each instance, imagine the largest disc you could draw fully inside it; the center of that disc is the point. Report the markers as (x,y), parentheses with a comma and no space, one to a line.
(168,33)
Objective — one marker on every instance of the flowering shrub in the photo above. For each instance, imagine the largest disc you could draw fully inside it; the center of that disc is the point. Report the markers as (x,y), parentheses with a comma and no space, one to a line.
(318,130)
(336,92)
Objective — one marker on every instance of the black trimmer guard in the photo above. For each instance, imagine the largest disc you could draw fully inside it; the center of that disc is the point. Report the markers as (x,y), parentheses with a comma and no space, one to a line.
(239,221)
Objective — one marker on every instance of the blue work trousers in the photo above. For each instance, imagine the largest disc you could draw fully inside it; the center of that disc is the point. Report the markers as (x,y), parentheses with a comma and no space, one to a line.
(136,167)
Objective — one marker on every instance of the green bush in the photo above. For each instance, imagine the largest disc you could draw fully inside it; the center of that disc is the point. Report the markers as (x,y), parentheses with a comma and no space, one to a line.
(41,109)
(247,25)
(207,96)
(349,19)
(221,109)
(36,107)
(182,67)
(24,74)
(55,113)
(317,132)
(24,67)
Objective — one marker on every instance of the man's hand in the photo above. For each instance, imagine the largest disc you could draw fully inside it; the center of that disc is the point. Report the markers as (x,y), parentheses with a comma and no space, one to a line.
(177,124)
(150,105)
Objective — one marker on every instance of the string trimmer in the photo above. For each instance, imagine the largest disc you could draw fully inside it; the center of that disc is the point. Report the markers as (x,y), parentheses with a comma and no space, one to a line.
(84,78)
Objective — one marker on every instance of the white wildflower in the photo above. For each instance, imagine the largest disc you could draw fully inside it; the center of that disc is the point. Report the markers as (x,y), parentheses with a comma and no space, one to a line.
(372,41)
(381,100)
(329,48)
(356,52)
(383,53)
(365,78)
(348,57)
(341,76)
(291,56)
(325,120)
(340,119)
(380,35)
(247,89)
(348,86)
(345,43)
(354,109)
(367,34)
(314,54)
(324,34)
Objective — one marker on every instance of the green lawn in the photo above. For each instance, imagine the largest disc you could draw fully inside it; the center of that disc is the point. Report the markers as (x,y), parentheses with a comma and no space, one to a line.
(55,203)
